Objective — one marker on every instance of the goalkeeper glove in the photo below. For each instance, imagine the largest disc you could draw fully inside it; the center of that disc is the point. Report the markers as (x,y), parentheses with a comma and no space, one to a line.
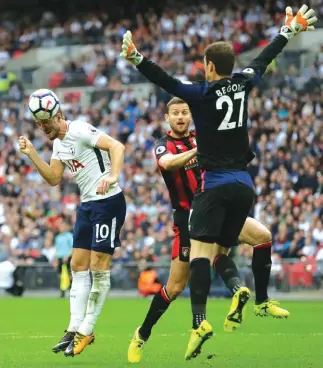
(300,23)
(129,51)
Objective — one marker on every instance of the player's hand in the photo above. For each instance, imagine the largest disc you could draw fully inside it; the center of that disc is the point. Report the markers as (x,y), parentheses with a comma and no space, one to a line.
(105,184)
(302,21)
(193,160)
(129,50)
(25,146)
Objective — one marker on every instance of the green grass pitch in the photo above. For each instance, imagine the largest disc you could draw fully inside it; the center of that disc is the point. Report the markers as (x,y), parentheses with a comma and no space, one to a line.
(30,327)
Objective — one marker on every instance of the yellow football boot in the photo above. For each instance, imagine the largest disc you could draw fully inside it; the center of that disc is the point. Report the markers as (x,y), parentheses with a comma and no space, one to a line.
(136,348)
(78,344)
(270,308)
(197,339)
(237,310)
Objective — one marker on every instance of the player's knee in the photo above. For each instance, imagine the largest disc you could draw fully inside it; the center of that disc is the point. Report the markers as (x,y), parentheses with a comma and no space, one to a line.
(263,237)
(78,264)
(100,261)
(175,289)
(80,260)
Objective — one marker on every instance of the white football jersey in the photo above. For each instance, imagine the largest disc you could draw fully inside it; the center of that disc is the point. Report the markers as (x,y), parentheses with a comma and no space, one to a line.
(88,164)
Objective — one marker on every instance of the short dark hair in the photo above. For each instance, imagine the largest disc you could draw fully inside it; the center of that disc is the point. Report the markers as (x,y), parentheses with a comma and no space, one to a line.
(221,54)
(175,101)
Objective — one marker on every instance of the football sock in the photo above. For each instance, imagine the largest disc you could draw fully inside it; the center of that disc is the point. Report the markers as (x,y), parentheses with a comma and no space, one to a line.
(200,283)
(261,267)
(226,268)
(158,307)
(99,291)
(79,295)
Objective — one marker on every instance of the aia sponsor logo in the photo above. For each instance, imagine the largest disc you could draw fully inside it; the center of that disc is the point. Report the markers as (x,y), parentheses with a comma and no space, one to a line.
(74,165)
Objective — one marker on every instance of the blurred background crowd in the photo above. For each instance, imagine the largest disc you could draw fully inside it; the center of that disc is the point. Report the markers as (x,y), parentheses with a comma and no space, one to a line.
(286,123)
(175,36)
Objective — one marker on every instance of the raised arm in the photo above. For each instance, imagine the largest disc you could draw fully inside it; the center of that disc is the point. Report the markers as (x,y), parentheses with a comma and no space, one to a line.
(293,25)
(259,64)
(157,75)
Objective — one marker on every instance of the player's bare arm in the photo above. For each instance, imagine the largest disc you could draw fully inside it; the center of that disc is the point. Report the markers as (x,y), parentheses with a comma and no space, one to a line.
(172,162)
(116,149)
(52,173)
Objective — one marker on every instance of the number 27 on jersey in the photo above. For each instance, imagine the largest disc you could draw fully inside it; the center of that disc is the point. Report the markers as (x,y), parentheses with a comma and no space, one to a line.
(238,97)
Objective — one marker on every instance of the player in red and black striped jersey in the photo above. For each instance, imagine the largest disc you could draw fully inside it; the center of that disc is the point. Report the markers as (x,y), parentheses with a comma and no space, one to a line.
(183,175)
(176,159)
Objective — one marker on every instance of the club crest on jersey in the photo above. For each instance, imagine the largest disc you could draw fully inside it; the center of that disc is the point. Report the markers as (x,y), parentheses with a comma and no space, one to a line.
(71,149)
(185,251)
(93,130)
(160,149)
(194,141)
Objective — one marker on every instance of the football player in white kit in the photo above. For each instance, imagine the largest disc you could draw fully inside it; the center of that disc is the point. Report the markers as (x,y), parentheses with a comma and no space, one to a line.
(83,149)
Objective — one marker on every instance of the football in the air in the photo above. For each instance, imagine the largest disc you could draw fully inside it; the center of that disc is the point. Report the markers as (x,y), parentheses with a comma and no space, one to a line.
(43,104)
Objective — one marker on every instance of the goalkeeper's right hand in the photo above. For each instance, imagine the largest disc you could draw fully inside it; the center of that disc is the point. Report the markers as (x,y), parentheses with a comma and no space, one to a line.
(129,50)
(302,22)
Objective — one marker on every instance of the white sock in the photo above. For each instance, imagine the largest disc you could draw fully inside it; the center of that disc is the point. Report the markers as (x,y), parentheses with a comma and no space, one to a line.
(79,296)
(99,291)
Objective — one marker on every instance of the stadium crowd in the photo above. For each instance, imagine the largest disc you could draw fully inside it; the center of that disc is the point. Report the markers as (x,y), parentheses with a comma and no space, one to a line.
(175,39)
(174,36)
(242,23)
(285,134)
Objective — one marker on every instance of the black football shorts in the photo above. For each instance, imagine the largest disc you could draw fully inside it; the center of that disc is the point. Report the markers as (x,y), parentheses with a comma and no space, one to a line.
(218,214)
(181,243)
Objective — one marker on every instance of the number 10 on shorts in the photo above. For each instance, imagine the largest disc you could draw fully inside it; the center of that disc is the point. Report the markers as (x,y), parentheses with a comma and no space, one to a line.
(103,231)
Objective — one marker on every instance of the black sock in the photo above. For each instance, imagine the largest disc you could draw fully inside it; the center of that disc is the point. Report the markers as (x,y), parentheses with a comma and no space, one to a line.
(158,307)
(200,283)
(261,267)
(226,268)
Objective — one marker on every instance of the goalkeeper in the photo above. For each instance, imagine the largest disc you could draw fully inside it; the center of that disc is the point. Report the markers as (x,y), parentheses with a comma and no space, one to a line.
(219,109)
